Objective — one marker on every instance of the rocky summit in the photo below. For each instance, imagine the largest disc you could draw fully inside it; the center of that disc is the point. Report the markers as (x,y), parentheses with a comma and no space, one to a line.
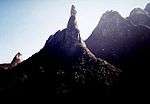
(63,67)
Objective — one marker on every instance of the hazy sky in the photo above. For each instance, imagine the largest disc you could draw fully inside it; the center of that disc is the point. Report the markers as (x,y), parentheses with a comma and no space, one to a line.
(26,24)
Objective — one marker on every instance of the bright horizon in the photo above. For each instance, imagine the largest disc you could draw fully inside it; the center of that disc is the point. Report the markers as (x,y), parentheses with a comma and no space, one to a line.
(25,25)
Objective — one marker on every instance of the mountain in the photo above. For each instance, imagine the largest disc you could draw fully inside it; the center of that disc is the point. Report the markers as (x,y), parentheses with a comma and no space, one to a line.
(111,36)
(140,17)
(147,8)
(114,37)
(8,66)
(126,45)
(64,64)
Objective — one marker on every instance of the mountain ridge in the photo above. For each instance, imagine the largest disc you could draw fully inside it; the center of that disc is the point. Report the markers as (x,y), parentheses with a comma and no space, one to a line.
(125,43)
(66,63)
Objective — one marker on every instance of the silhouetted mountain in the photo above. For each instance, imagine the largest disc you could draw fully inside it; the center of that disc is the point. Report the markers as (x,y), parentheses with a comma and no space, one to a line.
(8,66)
(121,42)
(111,36)
(64,64)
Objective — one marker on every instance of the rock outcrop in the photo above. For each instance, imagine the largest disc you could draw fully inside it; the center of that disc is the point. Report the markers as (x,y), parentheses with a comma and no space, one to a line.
(8,66)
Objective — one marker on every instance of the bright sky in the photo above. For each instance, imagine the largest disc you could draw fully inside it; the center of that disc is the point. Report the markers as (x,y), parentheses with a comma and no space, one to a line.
(26,24)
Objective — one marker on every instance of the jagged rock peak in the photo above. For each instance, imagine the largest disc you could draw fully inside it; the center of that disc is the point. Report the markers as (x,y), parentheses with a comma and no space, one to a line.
(73,11)
(72,29)
(147,8)
(72,21)
(69,36)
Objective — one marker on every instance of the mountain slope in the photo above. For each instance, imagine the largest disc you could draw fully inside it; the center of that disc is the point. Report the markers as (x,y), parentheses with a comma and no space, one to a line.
(126,45)
(67,63)
(115,37)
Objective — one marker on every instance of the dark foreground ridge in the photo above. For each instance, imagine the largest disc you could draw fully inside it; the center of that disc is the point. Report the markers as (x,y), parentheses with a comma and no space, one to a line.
(64,64)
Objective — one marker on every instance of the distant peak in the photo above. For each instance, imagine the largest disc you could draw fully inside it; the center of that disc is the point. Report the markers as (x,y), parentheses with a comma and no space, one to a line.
(111,16)
(147,8)
(111,13)
(137,11)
